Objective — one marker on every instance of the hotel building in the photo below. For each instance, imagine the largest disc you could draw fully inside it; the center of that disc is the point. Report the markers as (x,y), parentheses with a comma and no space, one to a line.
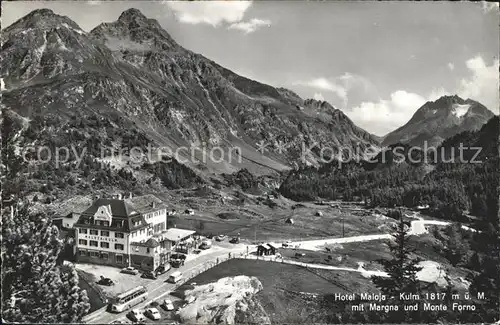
(120,233)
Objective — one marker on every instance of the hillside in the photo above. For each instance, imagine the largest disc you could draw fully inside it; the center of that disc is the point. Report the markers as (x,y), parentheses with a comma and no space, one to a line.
(134,78)
(451,187)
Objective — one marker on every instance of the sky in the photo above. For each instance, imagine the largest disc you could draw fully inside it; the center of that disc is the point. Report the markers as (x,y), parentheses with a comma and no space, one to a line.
(376,61)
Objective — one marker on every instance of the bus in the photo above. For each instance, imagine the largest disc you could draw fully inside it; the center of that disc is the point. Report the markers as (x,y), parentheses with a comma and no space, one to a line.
(175,277)
(129,299)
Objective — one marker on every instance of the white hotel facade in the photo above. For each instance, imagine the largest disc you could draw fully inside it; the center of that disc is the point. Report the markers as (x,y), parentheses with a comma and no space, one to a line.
(131,232)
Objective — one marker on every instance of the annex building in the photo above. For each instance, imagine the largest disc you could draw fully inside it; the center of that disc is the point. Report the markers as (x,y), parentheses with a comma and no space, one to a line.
(125,232)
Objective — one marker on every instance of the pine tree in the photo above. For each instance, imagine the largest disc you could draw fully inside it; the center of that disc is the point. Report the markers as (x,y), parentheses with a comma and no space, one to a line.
(487,281)
(35,289)
(401,270)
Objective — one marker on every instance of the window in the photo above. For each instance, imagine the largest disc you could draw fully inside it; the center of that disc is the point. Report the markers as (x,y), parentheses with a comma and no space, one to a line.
(82,253)
(104,244)
(147,250)
(94,232)
(119,247)
(105,233)
(119,235)
(93,243)
(119,259)
(82,242)
(82,230)
(104,256)
(94,254)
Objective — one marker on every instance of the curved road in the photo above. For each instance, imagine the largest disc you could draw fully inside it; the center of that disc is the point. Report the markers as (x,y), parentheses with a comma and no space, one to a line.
(160,288)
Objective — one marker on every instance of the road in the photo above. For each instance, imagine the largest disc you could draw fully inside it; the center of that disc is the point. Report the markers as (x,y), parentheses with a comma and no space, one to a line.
(417,228)
(160,288)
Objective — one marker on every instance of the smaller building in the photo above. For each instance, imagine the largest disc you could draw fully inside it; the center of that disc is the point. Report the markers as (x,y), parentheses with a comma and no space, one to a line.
(266,249)
(177,240)
(148,255)
(262,250)
(289,221)
(272,249)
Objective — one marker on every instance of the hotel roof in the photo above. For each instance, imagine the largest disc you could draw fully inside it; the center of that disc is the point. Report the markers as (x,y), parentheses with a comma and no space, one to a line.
(119,208)
(124,217)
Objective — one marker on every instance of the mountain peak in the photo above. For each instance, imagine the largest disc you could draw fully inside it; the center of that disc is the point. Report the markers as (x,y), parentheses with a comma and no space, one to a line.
(134,31)
(440,119)
(131,14)
(42,12)
(42,19)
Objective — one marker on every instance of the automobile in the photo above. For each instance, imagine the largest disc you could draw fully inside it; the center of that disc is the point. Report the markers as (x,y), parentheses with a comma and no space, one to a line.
(300,254)
(136,315)
(105,281)
(235,240)
(130,270)
(220,238)
(168,305)
(287,243)
(162,268)
(210,236)
(152,313)
(206,244)
(149,275)
(197,251)
(119,322)
(176,263)
(178,256)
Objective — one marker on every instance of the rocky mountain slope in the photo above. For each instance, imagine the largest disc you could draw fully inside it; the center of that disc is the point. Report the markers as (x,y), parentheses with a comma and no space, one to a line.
(440,119)
(131,75)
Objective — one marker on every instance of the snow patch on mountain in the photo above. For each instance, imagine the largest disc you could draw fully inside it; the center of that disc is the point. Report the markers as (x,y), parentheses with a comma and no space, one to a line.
(121,44)
(460,110)
(79,31)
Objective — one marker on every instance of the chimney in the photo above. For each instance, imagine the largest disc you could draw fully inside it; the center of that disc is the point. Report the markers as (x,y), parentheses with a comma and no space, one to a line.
(119,196)
(130,195)
(153,204)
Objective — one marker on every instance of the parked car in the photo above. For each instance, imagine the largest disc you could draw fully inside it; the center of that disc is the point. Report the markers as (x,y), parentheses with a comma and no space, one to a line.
(152,313)
(206,244)
(220,238)
(130,270)
(162,268)
(300,254)
(176,263)
(235,240)
(105,281)
(168,305)
(136,315)
(288,243)
(149,275)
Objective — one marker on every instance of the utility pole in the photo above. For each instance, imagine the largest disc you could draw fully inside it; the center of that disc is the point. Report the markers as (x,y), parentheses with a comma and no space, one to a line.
(343,231)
